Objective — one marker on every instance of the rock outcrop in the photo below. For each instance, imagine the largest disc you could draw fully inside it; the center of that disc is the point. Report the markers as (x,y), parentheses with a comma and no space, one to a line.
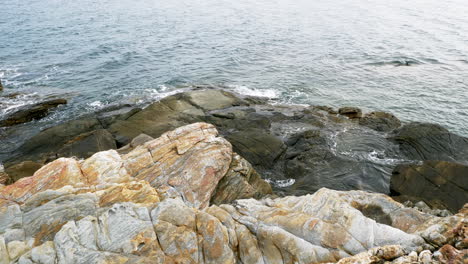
(30,112)
(152,205)
(350,112)
(440,184)
(423,141)
(380,121)
(299,149)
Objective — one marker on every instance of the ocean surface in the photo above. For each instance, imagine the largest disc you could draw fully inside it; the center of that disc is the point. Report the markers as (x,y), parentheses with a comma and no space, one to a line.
(406,57)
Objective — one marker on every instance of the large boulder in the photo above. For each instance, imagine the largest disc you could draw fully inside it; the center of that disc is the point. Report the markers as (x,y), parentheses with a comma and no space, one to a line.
(380,121)
(31,112)
(440,184)
(350,112)
(423,141)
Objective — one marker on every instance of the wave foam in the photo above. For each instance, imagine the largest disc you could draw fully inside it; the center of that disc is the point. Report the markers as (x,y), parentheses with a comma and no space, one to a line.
(241,89)
(281,183)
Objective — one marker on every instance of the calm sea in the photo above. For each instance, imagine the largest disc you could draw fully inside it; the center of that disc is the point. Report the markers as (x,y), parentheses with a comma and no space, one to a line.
(406,57)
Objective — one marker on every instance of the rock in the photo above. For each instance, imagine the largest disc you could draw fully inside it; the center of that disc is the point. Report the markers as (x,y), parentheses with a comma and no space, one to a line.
(450,255)
(440,184)
(380,121)
(190,160)
(1,86)
(423,141)
(375,255)
(241,181)
(260,148)
(31,112)
(4,177)
(152,205)
(86,144)
(350,112)
(298,148)
(44,146)
(139,140)
(23,169)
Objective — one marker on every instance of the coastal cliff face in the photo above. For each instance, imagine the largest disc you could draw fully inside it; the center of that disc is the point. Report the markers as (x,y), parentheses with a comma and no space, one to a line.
(187,197)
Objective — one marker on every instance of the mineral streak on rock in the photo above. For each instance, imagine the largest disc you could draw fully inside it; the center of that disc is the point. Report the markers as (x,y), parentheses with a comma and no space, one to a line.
(152,205)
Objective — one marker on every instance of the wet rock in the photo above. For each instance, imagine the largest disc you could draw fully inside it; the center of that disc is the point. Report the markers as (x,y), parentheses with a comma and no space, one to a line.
(259,148)
(87,144)
(350,112)
(380,121)
(311,147)
(43,146)
(1,86)
(440,184)
(31,112)
(423,141)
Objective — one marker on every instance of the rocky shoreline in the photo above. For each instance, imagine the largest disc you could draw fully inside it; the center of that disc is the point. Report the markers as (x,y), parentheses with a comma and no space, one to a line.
(208,176)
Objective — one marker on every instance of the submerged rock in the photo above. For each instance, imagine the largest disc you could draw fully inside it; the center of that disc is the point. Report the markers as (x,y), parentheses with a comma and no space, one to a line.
(31,112)
(440,184)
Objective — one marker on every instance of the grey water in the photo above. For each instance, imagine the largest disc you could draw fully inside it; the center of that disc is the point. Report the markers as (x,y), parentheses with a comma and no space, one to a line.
(406,57)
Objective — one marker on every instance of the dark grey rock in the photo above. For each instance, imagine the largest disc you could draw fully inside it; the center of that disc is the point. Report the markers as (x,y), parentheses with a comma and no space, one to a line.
(31,112)
(350,112)
(440,184)
(380,121)
(424,141)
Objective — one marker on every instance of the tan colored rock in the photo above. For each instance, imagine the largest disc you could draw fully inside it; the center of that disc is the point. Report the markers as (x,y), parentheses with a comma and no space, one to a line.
(191,160)
(104,167)
(61,172)
(375,255)
(241,181)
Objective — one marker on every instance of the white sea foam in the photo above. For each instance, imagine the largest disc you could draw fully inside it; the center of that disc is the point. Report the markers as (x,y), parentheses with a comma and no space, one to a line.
(268,93)
(9,104)
(96,105)
(281,183)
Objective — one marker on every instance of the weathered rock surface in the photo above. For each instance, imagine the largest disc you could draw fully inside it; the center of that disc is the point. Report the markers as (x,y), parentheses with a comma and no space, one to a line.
(440,184)
(380,121)
(152,205)
(21,170)
(299,149)
(350,112)
(4,177)
(31,112)
(422,141)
